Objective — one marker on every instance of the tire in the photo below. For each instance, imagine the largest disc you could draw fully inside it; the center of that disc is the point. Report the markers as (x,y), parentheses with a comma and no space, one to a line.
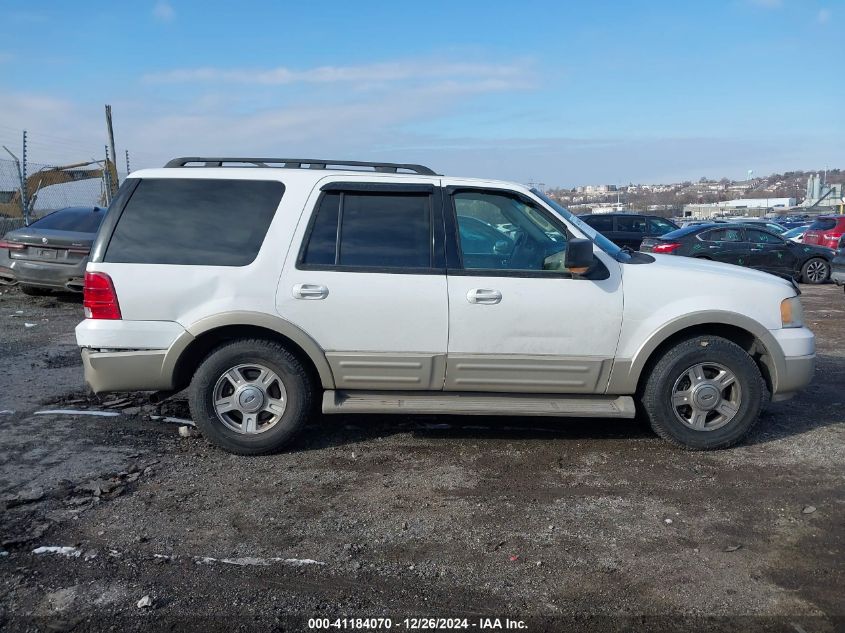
(34,291)
(290,395)
(670,377)
(815,271)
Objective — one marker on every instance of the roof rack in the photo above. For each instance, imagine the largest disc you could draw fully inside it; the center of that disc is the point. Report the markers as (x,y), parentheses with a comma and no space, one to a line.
(300,163)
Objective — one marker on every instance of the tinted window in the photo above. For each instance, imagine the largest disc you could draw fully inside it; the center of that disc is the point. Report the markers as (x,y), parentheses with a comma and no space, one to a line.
(84,220)
(195,221)
(659,226)
(722,235)
(378,230)
(600,222)
(630,224)
(823,224)
(386,230)
(762,237)
(500,232)
(321,245)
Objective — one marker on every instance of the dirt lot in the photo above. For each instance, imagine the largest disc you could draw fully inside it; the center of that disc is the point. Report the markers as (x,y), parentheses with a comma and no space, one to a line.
(565,525)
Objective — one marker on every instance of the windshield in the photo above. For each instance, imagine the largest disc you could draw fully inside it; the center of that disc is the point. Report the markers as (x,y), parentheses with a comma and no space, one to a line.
(600,240)
(795,232)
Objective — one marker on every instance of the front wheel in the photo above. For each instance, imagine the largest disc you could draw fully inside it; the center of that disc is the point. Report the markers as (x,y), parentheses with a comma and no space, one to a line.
(251,397)
(815,271)
(704,393)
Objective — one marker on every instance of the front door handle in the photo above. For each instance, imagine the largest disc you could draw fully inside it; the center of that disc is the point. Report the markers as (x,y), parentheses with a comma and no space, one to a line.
(484,295)
(310,291)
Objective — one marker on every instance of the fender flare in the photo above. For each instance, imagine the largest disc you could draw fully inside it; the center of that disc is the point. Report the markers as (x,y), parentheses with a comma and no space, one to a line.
(271,322)
(626,373)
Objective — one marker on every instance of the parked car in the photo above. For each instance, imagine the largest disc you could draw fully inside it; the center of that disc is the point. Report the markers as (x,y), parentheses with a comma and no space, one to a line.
(837,273)
(749,246)
(628,229)
(826,230)
(50,253)
(354,289)
(796,234)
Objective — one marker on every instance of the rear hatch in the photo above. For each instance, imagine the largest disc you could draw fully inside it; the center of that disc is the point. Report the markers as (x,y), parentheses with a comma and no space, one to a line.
(46,245)
(825,232)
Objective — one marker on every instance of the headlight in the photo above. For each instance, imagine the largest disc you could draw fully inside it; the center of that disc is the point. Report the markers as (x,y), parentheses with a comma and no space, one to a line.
(791,312)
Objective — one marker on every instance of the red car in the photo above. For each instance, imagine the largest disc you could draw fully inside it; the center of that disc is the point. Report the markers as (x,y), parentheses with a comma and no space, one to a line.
(826,230)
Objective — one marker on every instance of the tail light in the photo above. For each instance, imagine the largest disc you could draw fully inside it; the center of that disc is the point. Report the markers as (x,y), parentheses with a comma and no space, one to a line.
(666,248)
(832,239)
(12,246)
(99,297)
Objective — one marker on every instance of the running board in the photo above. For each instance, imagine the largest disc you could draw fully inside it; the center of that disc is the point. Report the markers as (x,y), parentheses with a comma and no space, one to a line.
(454,403)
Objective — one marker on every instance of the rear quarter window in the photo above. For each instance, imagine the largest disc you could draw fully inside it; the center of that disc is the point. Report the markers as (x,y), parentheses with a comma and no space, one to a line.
(194,221)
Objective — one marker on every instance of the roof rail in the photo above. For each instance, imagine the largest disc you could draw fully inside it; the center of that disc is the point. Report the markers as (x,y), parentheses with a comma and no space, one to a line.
(300,163)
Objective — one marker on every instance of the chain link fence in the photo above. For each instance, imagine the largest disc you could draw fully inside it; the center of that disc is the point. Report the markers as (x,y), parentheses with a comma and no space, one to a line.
(48,188)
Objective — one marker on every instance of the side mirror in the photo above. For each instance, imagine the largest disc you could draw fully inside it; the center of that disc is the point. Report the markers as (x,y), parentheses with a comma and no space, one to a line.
(579,255)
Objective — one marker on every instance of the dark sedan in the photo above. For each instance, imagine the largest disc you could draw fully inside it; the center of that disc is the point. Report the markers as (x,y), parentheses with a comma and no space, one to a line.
(747,246)
(50,253)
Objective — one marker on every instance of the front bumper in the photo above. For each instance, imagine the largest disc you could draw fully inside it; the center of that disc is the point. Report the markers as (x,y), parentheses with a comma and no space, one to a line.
(795,369)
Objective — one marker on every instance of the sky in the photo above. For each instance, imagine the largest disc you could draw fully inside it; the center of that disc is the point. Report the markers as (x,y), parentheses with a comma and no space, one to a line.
(563,93)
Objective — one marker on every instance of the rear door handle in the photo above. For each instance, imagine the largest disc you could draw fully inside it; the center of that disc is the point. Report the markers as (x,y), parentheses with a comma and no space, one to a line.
(484,295)
(310,291)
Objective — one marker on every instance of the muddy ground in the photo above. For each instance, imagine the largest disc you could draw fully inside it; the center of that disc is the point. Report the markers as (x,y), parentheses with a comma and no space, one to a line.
(564,525)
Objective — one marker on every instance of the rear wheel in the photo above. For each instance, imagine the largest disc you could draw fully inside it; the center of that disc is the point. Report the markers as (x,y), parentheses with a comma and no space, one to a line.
(815,271)
(704,393)
(251,397)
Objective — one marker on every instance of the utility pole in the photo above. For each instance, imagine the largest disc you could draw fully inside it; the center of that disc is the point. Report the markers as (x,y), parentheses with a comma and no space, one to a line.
(107,176)
(112,176)
(24,201)
(128,171)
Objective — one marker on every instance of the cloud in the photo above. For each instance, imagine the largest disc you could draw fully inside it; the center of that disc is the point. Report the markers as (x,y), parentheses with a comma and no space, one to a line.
(163,11)
(767,4)
(380,73)
(823,16)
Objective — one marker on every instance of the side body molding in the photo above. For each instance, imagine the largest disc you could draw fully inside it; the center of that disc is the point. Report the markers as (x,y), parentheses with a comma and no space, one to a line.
(626,372)
(256,319)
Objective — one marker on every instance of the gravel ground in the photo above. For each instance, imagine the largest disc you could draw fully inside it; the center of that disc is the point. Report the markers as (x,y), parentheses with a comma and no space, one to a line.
(562,525)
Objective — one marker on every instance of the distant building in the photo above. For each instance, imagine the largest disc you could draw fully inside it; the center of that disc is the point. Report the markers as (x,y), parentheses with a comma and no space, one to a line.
(821,194)
(751,207)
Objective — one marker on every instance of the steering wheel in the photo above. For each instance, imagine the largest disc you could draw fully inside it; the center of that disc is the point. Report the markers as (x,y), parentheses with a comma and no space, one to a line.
(523,254)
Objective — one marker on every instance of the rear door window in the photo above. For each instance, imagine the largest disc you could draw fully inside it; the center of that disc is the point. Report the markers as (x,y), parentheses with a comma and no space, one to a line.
(194,221)
(601,223)
(376,231)
(630,224)
(722,235)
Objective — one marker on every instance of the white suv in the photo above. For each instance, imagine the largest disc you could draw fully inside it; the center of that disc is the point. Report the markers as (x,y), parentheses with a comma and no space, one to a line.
(272,287)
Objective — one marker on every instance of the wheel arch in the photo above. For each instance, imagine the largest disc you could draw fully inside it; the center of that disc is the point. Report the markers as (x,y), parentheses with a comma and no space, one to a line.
(628,375)
(191,348)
